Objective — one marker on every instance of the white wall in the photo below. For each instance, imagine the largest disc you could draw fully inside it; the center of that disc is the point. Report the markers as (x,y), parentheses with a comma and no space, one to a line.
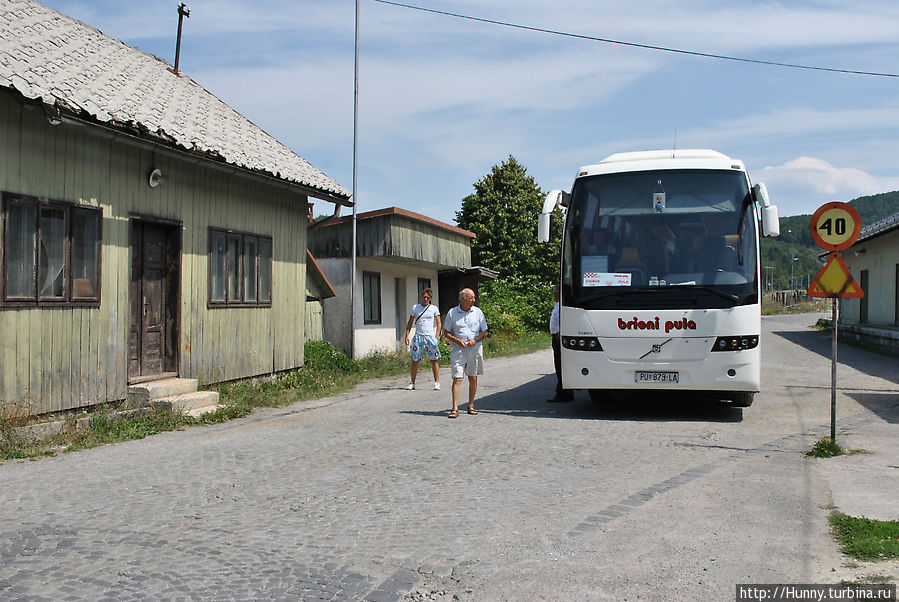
(880,256)
(371,337)
(383,336)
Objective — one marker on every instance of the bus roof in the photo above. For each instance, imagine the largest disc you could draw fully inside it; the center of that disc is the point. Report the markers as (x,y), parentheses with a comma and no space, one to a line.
(689,158)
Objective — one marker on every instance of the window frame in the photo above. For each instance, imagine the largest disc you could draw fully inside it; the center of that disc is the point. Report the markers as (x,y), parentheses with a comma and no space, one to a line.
(367,297)
(69,210)
(241,240)
(423,283)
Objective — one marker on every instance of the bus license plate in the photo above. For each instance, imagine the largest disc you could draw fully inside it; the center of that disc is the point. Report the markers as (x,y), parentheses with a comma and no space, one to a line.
(655,377)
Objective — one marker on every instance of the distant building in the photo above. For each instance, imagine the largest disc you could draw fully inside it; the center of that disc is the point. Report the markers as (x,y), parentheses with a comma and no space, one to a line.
(874,263)
(399,254)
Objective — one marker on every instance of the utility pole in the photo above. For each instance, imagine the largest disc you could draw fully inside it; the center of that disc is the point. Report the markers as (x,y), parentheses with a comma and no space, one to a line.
(355,173)
(183,11)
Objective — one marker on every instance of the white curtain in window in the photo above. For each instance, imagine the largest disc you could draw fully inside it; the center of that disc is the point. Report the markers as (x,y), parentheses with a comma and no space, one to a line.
(53,240)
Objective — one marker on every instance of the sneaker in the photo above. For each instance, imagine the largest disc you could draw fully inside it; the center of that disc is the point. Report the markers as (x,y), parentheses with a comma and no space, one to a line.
(410,387)
(436,386)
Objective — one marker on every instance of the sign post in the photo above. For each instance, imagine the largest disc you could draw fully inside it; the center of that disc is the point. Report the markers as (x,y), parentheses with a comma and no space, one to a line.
(835,227)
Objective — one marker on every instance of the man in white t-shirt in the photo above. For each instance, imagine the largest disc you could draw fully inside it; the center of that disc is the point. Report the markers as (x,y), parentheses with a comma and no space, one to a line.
(426,319)
(465,327)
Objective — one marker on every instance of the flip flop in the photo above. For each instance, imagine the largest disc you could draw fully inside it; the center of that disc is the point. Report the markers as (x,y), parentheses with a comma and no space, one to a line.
(454,414)
(472,411)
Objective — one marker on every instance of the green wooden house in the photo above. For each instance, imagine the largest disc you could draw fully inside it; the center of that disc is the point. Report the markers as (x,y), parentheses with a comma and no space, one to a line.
(148,229)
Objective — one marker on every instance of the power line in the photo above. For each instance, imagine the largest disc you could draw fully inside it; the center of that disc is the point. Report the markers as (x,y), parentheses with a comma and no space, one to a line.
(634,44)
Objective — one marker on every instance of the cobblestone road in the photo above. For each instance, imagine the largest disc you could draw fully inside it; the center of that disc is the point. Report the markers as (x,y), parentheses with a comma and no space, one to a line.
(376,495)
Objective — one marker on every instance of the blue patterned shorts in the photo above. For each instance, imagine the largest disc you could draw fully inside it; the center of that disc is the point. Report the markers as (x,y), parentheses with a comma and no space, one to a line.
(422,343)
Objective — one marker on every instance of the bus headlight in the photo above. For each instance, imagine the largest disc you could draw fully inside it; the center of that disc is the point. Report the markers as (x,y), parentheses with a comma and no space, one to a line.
(582,343)
(737,343)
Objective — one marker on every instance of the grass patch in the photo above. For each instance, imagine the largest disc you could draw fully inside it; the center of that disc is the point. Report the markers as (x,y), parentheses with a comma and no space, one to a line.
(864,538)
(105,427)
(772,308)
(503,344)
(13,443)
(825,448)
(327,371)
(101,427)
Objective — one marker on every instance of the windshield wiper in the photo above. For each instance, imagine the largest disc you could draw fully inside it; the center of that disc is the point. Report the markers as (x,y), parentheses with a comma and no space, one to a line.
(619,293)
(720,293)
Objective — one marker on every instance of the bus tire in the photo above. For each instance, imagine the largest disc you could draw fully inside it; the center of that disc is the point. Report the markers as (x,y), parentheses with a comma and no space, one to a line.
(742,399)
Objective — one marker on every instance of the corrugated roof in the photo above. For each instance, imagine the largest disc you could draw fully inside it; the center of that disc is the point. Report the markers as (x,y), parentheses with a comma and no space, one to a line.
(397,211)
(47,56)
(879,227)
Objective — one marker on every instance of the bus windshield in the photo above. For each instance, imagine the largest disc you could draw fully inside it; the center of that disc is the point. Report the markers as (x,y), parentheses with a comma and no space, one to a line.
(656,239)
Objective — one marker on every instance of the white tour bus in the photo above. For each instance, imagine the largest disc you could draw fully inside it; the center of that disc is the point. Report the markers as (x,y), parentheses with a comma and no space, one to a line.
(660,284)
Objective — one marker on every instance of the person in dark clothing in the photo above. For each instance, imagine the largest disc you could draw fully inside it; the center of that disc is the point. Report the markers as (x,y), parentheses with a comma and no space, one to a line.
(561,394)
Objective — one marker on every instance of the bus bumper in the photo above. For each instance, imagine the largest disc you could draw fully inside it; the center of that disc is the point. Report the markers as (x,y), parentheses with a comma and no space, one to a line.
(716,371)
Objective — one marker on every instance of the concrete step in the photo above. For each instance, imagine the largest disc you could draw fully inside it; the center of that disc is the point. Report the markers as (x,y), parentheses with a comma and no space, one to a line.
(193,404)
(196,413)
(143,394)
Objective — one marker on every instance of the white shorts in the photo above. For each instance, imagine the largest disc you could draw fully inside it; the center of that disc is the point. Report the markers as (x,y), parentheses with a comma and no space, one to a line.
(466,361)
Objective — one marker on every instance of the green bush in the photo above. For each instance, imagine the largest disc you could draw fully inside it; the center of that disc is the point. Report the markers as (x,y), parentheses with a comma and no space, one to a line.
(517,303)
(323,356)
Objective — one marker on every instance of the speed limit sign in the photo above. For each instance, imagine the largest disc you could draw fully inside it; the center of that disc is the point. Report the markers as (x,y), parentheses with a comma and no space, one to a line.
(835,226)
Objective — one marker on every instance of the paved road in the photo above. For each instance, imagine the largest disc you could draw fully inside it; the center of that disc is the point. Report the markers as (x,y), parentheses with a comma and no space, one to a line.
(377,495)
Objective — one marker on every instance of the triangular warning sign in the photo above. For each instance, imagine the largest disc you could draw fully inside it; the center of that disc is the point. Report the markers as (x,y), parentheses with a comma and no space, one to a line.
(834,280)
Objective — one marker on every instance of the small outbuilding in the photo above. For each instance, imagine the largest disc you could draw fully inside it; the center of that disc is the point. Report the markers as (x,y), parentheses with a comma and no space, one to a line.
(874,263)
(399,253)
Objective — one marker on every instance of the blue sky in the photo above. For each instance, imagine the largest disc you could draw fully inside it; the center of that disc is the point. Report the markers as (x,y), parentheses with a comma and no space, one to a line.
(442,100)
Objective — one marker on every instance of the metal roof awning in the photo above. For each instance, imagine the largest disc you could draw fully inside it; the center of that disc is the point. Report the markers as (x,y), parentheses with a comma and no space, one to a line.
(479,273)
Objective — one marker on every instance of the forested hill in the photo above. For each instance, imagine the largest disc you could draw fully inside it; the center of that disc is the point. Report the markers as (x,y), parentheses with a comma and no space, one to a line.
(876,207)
(795,239)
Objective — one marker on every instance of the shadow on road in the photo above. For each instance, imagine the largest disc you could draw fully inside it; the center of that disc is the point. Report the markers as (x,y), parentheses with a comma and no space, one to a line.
(883,401)
(529,401)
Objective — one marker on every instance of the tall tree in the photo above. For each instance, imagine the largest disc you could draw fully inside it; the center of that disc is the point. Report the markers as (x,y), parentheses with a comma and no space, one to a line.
(503,213)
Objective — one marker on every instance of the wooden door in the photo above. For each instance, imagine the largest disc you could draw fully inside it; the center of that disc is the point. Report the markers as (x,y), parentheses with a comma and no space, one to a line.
(149,344)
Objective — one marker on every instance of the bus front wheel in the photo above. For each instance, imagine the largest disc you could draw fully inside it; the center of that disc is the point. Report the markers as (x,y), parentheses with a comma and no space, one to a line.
(742,399)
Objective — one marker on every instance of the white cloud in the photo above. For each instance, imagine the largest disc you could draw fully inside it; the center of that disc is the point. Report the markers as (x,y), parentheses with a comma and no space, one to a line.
(801,185)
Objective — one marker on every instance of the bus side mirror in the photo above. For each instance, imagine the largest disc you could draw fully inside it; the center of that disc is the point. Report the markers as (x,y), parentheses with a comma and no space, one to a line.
(770,221)
(769,214)
(543,223)
(556,198)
